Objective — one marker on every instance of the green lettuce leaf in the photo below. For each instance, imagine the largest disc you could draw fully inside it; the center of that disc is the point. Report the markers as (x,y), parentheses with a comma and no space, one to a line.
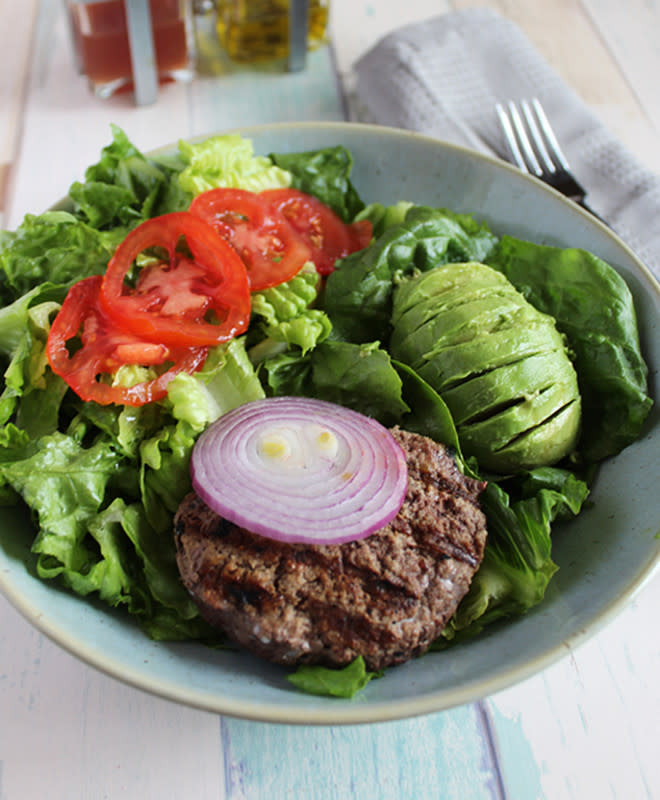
(125,187)
(427,413)
(124,426)
(282,316)
(384,217)
(361,377)
(226,381)
(165,474)
(517,564)
(287,300)
(56,247)
(64,483)
(33,393)
(343,682)
(227,161)
(136,572)
(105,521)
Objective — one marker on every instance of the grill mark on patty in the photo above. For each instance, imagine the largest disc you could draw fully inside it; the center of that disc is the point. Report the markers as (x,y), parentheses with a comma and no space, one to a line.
(443,485)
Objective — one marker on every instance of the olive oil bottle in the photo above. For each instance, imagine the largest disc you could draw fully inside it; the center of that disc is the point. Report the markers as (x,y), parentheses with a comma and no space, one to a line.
(258,30)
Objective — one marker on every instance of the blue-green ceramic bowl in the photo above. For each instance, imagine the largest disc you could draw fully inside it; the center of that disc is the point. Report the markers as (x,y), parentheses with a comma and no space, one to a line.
(604,556)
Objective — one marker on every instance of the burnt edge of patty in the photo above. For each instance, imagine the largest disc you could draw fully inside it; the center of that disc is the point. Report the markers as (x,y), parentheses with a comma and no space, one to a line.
(386,597)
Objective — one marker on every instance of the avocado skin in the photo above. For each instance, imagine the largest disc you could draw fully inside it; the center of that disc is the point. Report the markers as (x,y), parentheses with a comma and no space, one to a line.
(499,364)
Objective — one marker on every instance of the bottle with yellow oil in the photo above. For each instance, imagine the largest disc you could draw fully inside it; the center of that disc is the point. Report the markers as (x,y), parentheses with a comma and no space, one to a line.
(258,30)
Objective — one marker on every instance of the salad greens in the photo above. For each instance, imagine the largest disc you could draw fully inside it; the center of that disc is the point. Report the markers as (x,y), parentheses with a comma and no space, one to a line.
(103,482)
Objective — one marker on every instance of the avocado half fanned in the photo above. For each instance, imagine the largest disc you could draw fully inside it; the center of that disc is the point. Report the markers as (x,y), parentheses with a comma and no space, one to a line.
(499,364)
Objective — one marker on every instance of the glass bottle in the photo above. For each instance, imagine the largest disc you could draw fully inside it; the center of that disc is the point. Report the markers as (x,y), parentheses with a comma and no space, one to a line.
(107,54)
(258,30)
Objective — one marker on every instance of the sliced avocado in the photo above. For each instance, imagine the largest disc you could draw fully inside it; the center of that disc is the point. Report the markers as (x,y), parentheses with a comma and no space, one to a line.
(449,367)
(500,364)
(459,323)
(464,323)
(441,280)
(480,397)
(545,444)
(493,439)
(428,309)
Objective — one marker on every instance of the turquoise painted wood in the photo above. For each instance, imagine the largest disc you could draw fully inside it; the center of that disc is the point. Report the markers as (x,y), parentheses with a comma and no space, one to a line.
(444,755)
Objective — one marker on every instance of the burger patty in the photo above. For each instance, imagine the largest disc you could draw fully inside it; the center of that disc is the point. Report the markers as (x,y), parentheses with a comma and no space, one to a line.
(385,597)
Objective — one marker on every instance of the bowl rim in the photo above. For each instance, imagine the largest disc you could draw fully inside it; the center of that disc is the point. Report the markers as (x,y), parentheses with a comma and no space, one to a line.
(346,712)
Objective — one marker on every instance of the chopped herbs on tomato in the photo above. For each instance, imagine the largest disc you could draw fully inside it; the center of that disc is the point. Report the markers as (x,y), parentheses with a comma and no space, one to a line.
(267,243)
(197,295)
(328,237)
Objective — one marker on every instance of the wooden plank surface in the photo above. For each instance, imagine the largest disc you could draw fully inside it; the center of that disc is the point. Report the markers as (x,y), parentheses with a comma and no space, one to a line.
(16,46)
(635,54)
(590,725)
(116,742)
(586,727)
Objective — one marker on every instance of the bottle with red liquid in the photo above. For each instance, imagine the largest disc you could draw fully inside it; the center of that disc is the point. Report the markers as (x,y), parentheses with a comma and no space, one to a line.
(132,44)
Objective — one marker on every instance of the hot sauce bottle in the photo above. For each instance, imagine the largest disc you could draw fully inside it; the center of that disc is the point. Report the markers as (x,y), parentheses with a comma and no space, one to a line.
(102,43)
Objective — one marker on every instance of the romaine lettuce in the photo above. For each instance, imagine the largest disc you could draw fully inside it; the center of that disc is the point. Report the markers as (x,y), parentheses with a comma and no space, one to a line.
(55,246)
(517,564)
(283,315)
(227,161)
(226,381)
(125,187)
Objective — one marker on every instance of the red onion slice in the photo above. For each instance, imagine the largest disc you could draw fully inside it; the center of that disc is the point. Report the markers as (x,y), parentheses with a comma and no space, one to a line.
(297,469)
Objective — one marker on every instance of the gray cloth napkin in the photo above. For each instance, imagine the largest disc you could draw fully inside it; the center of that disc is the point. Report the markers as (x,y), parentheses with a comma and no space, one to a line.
(443,77)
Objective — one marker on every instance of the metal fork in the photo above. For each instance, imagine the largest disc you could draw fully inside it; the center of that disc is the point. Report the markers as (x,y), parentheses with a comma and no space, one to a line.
(533,147)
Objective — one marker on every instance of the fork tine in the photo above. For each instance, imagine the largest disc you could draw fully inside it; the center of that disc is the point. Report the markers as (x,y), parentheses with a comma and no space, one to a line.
(523,138)
(530,137)
(510,136)
(531,117)
(544,122)
(518,141)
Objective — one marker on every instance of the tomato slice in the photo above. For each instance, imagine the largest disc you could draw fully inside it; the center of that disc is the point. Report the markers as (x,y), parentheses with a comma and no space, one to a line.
(195,297)
(269,246)
(324,231)
(99,349)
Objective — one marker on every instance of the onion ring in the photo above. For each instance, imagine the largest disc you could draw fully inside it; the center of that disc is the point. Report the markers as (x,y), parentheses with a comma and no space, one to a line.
(300,470)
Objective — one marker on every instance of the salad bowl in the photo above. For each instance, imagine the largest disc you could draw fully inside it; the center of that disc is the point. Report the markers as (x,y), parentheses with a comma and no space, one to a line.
(604,556)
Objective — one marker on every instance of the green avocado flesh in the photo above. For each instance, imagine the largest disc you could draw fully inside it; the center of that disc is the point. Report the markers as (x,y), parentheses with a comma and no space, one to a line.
(499,364)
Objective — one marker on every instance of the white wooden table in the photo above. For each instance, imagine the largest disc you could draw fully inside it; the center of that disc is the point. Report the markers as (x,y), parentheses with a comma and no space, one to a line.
(587,727)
